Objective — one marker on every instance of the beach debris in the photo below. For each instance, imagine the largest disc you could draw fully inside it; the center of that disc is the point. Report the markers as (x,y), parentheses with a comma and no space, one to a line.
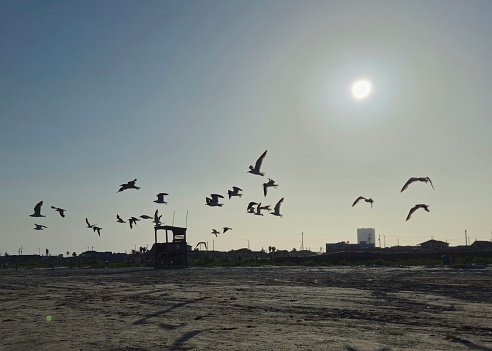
(256,168)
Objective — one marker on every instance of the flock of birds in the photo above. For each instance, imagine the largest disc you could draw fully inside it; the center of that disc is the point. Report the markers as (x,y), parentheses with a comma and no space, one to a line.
(213,201)
(254,207)
(405,186)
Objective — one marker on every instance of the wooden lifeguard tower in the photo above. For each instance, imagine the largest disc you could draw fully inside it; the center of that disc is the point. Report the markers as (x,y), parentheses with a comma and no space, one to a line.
(174,252)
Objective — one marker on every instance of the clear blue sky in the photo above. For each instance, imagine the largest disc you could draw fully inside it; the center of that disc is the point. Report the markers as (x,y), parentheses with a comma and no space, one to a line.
(185,95)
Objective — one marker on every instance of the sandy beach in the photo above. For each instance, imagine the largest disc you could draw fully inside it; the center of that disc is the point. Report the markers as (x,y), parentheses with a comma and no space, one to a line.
(263,308)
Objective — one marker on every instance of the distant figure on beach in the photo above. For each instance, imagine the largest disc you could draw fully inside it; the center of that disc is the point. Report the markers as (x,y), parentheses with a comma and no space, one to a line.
(415,208)
(129,185)
(256,168)
(363,198)
(37,210)
(415,179)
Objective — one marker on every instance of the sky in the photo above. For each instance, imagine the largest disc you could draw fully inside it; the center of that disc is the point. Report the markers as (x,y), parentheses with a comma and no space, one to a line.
(185,95)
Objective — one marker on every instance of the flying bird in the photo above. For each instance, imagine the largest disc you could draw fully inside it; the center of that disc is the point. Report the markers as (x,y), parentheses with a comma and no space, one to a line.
(251,208)
(270,183)
(276,210)
(214,200)
(157,218)
(234,192)
(37,210)
(215,231)
(415,179)
(415,208)
(266,208)
(88,224)
(363,198)
(133,221)
(61,211)
(160,198)
(258,210)
(98,229)
(145,217)
(39,226)
(119,220)
(129,185)
(225,229)
(256,168)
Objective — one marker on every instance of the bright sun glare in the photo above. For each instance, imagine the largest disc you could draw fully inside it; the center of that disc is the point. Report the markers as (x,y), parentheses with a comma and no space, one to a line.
(361,89)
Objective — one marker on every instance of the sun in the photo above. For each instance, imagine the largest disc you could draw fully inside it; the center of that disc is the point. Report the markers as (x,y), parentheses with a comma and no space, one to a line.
(361,89)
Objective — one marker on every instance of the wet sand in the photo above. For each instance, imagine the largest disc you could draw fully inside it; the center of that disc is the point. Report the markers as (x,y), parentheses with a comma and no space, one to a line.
(266,308)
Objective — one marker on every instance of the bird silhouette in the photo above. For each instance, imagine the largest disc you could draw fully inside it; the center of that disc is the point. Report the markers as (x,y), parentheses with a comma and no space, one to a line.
(251,207)
(276,209)
(415,208)
(234,192)
(37,210)
(157,218)
(133,221)
(119,220)
(225,229)
(258,210)
(160,198)
(129,185)
(213,200)
(61,211)
(88,224)
(145,217)
(363,198)
(270,183)
(98,229)
(39,226)
(256,168)
(215,232)
(416,179)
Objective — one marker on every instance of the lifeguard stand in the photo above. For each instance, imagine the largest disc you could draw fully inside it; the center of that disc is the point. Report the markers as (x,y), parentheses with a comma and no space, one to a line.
(174,253)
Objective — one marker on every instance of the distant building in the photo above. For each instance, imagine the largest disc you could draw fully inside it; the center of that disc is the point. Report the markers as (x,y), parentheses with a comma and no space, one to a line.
(366,237)
(434,245)
(482,245)
(342,246)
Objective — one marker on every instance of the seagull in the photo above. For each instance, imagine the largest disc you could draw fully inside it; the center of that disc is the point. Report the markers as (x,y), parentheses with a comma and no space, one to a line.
(37,210)
(215,231)
(258,210)
(226,229)
(266,208)
(256,168)
(415,179)
(214,200)
(133,221)
(119,220)
(129,185)
(363,198)
(157,218)
(415,208)
(39,226)
(234,192)
(61,211)
(270,183)
(276,210)
(98,229)
(251,208)
(160,198)
(145,217)
(88,224)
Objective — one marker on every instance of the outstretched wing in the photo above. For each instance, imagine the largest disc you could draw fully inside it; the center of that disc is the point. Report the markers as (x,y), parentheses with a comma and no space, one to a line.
(37,208)
(357,200)
(412,210)
(259,161)
(277,206)
(430,181)
(411,180)
(87,221)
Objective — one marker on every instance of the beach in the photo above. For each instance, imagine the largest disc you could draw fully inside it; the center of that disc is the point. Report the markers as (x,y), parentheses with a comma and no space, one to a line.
(247,308)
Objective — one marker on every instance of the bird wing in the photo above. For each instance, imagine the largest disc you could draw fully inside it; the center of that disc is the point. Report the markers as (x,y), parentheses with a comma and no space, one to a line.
(265,189)
(277,206)
(251,204)
(357,200)
(37,208)
(412,210)
(430,181)
(411,180)
(236,189)
(87,221)
(259,161)
(215,197)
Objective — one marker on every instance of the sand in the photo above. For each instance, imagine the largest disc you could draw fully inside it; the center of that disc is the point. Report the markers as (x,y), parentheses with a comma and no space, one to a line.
(266,308)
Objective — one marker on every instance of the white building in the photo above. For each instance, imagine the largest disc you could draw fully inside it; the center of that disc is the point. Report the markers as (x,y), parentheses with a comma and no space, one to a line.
(366,236)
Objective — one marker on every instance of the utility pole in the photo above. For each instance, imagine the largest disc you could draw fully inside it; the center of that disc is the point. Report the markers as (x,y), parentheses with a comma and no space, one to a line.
(384,240)
(248,243)
(369,239)
(379,240)
(213,245)
(302,241)
(466,240)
